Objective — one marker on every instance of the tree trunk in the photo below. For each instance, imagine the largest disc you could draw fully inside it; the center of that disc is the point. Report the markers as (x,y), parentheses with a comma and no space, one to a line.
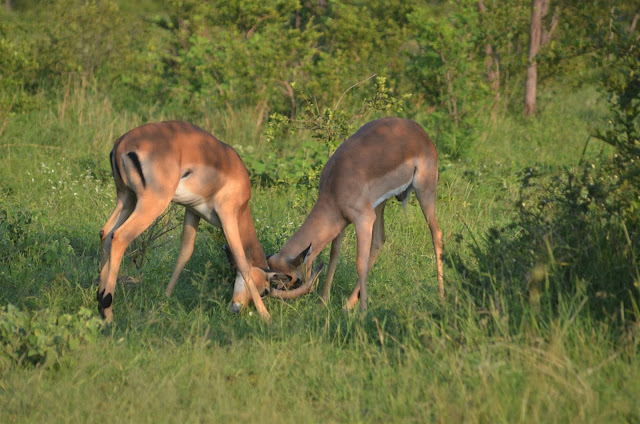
(534,46)
(7,5)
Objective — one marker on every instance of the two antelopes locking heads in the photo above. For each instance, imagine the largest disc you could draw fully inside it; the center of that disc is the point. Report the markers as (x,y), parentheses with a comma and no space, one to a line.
(159,163)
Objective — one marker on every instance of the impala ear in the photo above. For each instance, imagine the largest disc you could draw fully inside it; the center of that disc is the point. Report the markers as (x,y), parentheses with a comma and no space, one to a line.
(301,258)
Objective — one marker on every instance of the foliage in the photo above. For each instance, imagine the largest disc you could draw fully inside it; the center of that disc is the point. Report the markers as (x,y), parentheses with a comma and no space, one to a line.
(42,337)
(570,240)
(577,232)
(331,126)
(447,72)
(540,319)
(17,70)
(621,83)
(22,245)
(219,53)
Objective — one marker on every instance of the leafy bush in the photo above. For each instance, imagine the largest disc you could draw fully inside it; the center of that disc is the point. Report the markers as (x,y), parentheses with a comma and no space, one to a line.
(41,338)
(21,244)
(328,126)
(448,78)
(572,239)
(18,70)
(577,232)
(219,52)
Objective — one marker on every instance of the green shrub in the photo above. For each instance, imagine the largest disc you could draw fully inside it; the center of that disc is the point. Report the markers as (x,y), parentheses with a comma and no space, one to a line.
(576,235)
(328,126)
(42,337)
(21,243)
(447,74)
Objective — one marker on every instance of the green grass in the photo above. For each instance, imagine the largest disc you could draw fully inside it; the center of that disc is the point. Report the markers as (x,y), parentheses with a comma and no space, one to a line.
(410,358)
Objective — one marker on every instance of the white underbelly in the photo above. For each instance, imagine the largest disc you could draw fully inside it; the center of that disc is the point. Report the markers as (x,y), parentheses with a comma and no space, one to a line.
(197,203)
(392,193)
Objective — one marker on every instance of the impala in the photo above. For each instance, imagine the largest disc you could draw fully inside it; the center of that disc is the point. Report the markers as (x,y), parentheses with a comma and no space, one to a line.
(386,157)
(159,163)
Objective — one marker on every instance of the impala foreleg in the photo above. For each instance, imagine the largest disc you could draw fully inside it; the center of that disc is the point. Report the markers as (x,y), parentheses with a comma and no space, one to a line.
(232,234)
(336,246)
(364,235)
(378,236)
(378,239)
(189,229)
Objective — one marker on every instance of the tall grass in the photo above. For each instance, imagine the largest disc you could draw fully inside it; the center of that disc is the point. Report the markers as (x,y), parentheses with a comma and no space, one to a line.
(410,358)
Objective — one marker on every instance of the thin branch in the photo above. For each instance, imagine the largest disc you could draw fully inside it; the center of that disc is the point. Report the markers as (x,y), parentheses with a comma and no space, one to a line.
(353,86)
(253,28)
(634,22)
(546,35)
(292,96)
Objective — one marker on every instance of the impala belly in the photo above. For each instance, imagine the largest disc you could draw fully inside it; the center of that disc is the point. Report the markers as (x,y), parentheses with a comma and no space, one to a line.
(197,203)
(393,192)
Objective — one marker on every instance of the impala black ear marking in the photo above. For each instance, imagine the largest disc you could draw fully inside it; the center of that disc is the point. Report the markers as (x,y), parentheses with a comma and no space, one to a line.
(101,233)
(112,163)
(136,162)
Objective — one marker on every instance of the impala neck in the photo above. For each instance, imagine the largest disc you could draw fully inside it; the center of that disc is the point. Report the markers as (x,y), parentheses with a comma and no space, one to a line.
(323,224)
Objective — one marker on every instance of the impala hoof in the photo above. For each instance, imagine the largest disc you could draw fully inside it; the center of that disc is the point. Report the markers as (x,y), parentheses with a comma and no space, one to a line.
(236,307)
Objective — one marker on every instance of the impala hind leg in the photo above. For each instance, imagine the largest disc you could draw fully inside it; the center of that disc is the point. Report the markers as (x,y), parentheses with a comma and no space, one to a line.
(139,220)
(426,194)
(189,229)
(378,238)
(125,203)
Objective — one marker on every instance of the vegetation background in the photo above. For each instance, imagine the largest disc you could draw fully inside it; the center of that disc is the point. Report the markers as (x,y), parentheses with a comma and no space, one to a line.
(540,211)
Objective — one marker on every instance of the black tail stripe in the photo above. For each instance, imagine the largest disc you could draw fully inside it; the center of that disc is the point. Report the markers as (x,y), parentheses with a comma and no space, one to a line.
(136,162)
(111,161)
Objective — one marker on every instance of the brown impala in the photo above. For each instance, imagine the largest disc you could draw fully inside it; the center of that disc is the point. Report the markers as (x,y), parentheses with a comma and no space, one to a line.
(159,163)
(386,157)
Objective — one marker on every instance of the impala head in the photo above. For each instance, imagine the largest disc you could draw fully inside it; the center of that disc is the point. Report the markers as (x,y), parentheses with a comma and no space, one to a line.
(286,273)
(291,266)
(241,295)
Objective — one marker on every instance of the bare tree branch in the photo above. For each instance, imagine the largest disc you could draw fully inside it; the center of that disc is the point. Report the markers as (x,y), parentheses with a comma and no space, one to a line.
(634,22)
(546,34)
